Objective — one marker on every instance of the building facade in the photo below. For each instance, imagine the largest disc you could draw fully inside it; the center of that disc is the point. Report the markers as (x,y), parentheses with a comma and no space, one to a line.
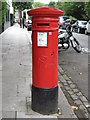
(7,18)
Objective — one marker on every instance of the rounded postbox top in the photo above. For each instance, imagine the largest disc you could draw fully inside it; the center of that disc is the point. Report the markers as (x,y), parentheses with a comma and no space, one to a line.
(45,11)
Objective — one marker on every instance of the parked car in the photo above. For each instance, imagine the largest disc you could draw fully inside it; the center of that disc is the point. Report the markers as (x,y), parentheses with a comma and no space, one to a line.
(87,27)
(18,21)
(62,20)
(29,25)
(26,23)
(68,22)
(79,26)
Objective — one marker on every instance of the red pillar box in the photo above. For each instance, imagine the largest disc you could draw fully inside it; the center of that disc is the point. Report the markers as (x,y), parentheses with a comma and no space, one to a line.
(45,59)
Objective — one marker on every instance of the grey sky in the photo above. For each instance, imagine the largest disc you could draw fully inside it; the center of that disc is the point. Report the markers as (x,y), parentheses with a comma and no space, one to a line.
(45,1)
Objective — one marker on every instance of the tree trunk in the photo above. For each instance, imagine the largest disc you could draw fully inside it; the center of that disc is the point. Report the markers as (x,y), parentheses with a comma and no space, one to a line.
(11,19)
(3,27)
(20,14)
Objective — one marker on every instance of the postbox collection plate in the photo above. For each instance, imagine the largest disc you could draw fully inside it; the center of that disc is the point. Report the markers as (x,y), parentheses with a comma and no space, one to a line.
(42,39)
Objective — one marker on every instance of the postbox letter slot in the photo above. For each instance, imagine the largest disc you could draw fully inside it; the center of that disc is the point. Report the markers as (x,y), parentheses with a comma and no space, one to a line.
(42,24)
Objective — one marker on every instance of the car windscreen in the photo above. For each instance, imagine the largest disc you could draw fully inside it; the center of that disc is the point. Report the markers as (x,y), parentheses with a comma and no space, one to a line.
(73,21)
(84,23)
(65,18)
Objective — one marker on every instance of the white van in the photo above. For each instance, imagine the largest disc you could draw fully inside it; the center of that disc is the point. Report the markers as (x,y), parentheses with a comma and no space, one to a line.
(87,27)
(62,19)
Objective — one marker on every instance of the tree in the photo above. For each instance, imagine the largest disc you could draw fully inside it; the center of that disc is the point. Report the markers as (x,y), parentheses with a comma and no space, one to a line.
(38,4)
(23,5)
(74,9)
(0,17)
(59,5)
(52,4)
(20,6)
(3,10)
(87,9)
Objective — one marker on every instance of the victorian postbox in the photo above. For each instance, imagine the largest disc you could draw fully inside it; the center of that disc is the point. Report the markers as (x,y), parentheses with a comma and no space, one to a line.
(45,59)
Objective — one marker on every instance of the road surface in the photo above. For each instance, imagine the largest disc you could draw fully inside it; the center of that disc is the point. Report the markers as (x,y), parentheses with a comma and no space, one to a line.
(75,64)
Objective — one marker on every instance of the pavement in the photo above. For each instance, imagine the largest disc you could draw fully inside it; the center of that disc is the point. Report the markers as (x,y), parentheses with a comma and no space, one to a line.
(16,74)
(0,77)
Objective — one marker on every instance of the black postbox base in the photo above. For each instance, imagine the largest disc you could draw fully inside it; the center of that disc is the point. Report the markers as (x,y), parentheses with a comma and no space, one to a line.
(45,101)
